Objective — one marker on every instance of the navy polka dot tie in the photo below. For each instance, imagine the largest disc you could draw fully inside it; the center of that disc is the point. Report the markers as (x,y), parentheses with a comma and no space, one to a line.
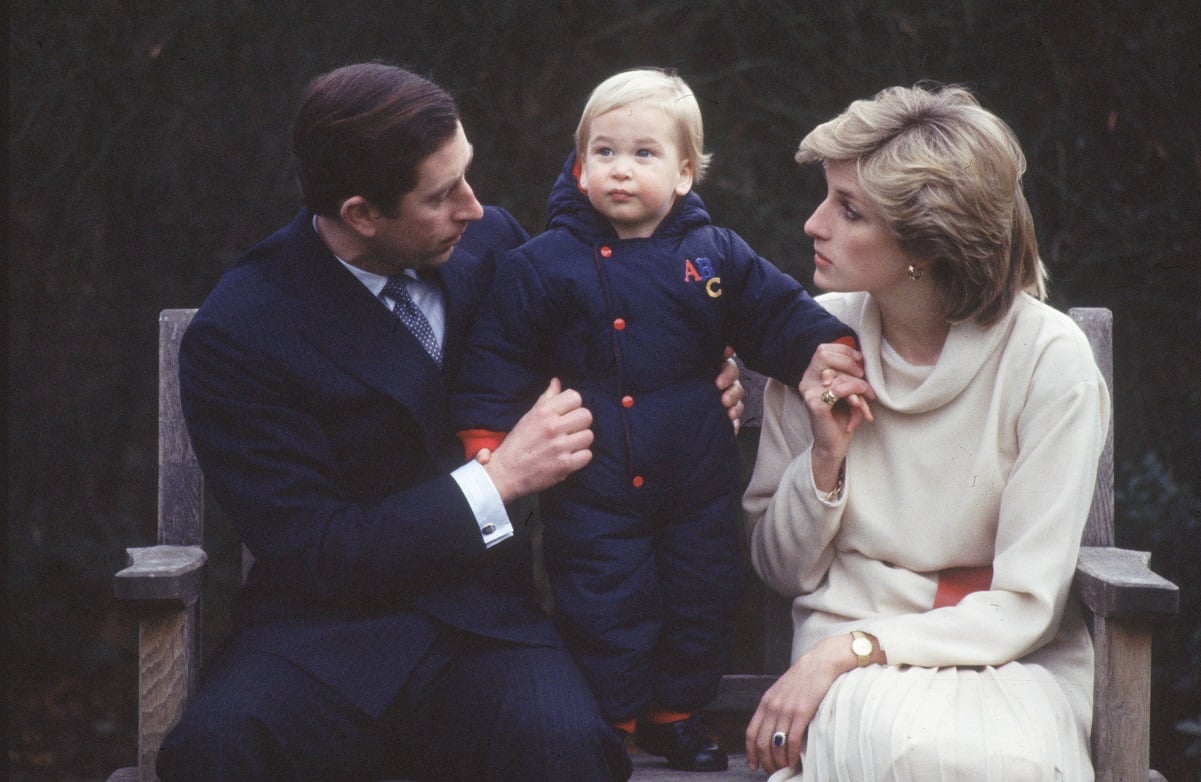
(397,288)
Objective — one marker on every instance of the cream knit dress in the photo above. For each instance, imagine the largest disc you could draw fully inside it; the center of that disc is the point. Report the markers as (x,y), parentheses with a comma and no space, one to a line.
(987,458)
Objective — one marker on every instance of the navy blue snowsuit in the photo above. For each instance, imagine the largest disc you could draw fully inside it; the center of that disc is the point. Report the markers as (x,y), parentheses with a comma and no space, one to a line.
(642,547)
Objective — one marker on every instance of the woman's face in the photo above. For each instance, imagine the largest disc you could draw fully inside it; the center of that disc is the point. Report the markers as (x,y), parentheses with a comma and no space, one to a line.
(853,249)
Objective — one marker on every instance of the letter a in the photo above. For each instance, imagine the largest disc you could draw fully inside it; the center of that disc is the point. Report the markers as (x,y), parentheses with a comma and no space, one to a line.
(690,272)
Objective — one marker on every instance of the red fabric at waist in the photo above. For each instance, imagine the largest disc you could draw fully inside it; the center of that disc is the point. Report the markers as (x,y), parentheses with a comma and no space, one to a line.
(956,583)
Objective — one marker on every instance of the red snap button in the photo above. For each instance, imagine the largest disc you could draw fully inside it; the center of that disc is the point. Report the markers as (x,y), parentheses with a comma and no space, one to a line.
(627,401)
(619,324)
(606,251)
(637,481)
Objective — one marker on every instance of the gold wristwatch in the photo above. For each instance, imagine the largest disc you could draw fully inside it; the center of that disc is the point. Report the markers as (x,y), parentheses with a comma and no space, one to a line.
(862,646)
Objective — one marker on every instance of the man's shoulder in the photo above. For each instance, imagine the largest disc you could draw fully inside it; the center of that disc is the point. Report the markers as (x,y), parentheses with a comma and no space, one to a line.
(254,280)
(552,243)
(496,231)
(287,239)
(274,253)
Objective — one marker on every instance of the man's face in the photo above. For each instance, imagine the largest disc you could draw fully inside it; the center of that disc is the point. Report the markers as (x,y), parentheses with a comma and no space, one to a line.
(430,219)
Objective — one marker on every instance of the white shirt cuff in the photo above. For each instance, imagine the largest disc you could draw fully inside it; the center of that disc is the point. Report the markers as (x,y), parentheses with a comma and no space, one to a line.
(485,503)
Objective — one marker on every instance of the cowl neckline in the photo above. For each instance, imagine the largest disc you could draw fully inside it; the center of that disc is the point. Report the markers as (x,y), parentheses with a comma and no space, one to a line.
(919,389)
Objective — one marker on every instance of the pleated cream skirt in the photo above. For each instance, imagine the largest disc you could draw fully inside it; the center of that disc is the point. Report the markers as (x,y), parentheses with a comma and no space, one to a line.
(1006,724)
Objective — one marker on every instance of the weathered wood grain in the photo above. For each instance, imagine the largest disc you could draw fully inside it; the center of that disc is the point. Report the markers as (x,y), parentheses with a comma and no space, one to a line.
(181,485)
(168,669)
(1114,581)
(1097,325)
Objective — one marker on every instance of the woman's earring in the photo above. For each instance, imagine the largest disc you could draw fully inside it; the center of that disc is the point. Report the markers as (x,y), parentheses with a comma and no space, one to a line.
(914,272)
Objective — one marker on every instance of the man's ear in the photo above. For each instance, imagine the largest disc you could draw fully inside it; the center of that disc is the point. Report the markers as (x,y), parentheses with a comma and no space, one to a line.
(359,215)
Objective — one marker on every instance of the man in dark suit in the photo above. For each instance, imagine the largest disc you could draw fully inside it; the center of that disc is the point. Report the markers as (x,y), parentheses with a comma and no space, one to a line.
(388,625)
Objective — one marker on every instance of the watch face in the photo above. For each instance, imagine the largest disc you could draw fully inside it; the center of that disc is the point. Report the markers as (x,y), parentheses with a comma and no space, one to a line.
(861,647)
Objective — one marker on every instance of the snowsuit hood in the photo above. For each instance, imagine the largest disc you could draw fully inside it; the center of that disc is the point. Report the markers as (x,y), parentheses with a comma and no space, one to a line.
(568,207)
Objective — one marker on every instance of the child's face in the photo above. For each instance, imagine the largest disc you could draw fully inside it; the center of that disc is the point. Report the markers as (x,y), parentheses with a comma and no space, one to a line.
(632,170)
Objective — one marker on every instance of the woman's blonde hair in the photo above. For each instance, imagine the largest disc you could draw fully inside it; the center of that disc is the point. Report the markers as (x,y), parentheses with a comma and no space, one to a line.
(662,88)
(945,175)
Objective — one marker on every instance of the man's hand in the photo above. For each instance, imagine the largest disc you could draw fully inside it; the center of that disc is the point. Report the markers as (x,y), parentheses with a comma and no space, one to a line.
(550,442)
(732,391)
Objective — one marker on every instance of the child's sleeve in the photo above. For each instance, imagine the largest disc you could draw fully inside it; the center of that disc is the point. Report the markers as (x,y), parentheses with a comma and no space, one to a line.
(476,440)
(501,374)
(774,324)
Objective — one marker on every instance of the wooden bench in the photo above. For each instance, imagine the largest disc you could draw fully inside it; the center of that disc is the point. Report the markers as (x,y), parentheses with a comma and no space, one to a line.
(165,582)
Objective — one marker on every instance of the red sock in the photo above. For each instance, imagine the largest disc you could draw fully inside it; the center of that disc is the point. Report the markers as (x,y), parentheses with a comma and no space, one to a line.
(660,716)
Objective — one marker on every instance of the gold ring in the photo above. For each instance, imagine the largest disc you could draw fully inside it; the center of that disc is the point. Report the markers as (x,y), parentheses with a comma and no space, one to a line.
(829,397)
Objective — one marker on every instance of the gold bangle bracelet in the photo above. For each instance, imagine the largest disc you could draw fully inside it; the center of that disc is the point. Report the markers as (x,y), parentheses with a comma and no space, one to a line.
(836,492)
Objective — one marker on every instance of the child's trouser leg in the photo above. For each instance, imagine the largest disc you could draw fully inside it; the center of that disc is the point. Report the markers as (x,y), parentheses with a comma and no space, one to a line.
(702,583)
(603,575)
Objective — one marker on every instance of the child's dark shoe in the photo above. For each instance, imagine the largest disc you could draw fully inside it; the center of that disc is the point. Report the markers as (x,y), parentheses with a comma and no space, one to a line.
(686,745)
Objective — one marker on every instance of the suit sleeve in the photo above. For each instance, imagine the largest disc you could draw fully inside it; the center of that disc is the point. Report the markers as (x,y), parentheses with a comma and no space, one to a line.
(276,475)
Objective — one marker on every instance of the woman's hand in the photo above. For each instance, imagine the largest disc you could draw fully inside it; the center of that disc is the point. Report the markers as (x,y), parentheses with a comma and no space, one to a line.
(836,394)
(789,705)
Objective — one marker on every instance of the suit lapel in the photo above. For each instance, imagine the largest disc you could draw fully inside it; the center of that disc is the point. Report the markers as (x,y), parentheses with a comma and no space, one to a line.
(459,288)
(341,320)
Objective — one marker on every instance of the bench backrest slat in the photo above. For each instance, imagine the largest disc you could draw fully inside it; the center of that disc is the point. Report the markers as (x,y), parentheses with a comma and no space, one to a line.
(180,483)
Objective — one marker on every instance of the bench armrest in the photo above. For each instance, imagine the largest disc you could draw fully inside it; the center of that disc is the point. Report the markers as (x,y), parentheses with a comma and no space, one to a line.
(1114,581)
(741,692)
(162,574)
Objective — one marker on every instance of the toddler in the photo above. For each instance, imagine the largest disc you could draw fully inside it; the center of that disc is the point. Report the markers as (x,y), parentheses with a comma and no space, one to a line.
(630,297)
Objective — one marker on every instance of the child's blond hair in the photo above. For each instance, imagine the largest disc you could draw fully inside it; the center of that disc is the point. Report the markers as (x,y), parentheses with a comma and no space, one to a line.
(661,88)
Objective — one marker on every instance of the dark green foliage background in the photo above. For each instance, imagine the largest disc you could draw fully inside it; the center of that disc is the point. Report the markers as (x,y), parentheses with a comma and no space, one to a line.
(148,147)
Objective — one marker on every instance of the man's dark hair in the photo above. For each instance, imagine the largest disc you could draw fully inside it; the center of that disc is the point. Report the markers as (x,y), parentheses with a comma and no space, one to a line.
(363,130)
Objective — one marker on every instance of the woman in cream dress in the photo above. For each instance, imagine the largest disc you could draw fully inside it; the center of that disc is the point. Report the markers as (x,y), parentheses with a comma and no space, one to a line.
(922,499)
